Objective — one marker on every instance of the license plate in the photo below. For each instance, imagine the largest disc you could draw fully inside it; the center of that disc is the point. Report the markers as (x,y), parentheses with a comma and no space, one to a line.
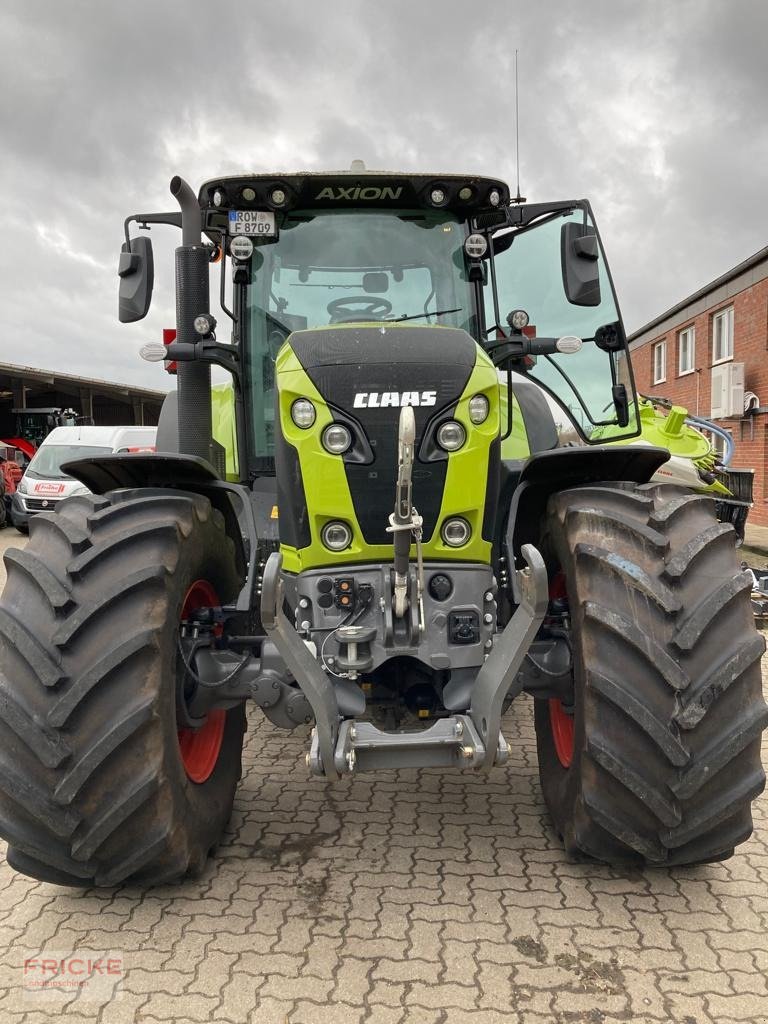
(252,222)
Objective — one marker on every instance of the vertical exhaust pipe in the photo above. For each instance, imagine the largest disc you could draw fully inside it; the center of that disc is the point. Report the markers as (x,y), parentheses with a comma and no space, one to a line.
(192,298)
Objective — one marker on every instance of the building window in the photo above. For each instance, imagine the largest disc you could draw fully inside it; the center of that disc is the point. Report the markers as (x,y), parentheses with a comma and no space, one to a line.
(722,335)
(660,362)
(686,345)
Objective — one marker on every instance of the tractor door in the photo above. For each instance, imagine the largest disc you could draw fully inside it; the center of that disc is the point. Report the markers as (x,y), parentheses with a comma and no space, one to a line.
(554,270)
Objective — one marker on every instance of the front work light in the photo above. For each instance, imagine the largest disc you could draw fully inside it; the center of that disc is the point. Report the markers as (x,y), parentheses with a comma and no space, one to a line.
(303,413)
(336,439)
(479,407)
(455,532)
(451,436)
(204,324)
(241,247)
(336,536)
(476,246)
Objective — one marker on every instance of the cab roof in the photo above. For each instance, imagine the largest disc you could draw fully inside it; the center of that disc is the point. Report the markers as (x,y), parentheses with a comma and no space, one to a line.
(356,187)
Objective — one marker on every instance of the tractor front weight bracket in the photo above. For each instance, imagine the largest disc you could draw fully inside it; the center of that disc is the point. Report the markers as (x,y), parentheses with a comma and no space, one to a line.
(499,679)
(342,745)
(315,684)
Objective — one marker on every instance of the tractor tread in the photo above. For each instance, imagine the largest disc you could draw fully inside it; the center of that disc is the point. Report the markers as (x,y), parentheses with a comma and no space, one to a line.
(157,528)
(137,859)
(624,830)
(665,810)
(30,794)
(76,537)
(668,690)
(182,508)
(57,593)
(665,515)
(45,664)
(23,839)
(703,694)
(92,676)
(48,745)
(689,631)
(86,845)
(93,788)
(744,790)
(631,574)
(99,751)
(645,645)
(686,556)
(658,731)
(85,613)
(722,751)
(622,522)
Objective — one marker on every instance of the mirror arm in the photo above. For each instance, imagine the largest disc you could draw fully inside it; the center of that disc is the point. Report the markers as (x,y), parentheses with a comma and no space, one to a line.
(518,216)
(208,351)
(142,219)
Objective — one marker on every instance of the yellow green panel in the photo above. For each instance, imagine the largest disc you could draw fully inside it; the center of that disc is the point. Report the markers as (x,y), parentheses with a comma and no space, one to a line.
(325,482)
(516,445)
(224,431)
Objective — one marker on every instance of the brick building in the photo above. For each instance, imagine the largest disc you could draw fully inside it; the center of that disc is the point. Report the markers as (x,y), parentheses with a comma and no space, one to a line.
(710,354)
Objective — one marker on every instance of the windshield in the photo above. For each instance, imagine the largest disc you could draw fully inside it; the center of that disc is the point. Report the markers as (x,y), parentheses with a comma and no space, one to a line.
(340,266)
(529,277)
(47,461)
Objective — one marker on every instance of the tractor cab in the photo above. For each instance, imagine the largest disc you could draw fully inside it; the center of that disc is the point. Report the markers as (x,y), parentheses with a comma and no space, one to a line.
(315,251)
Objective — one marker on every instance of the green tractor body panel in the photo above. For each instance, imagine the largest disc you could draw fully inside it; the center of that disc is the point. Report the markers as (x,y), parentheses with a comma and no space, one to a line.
(225,426)
(316,487)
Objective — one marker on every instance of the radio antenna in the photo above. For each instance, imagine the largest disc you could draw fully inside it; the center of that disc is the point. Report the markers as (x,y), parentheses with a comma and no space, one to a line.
(518,197)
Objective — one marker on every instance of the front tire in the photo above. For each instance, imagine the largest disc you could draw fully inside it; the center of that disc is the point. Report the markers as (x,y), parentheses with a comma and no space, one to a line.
(93,783)
(663,759)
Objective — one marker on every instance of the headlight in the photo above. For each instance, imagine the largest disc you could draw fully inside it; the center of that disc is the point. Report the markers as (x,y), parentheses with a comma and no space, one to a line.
(336,536)
(303,413)
(336,439)
(22,487)
(241,247)
(518,319)
(475,246)
(451,436)
(479,407)
(455,532)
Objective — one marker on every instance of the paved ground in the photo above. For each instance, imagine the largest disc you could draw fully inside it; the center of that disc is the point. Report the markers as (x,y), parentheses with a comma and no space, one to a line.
(369,902)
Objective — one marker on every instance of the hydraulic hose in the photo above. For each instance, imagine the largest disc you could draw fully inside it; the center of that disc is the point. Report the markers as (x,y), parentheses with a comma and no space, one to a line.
(697,421)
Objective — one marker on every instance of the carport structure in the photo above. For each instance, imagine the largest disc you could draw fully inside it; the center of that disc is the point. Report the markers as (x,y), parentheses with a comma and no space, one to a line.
(106,402)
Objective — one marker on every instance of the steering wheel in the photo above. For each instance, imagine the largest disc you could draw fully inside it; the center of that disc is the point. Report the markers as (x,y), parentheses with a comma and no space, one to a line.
(374,308)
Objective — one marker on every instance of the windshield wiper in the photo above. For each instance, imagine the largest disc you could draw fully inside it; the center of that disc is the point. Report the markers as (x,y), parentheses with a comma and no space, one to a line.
(420,316)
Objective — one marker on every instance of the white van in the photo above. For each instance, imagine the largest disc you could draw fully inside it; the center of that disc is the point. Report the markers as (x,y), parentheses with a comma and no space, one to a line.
(44,484)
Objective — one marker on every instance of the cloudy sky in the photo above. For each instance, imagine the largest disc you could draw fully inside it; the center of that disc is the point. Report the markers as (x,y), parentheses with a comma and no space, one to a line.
(656,111)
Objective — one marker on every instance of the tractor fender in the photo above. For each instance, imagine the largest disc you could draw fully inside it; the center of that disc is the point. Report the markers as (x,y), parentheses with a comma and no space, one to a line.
(161,472)
(547,473)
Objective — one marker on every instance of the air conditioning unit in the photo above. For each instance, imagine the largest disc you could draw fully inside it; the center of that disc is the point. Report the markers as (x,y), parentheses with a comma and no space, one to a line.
(727,391)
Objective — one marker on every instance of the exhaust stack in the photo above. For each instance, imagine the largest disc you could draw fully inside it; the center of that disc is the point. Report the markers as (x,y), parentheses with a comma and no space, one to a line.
(192,298)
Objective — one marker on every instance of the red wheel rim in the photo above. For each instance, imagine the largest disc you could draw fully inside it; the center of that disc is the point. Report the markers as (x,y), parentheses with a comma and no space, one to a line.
(560,720)
(200,748)
(562,731)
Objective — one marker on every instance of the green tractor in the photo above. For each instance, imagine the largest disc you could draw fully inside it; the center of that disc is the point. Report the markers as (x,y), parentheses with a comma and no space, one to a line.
(383,543)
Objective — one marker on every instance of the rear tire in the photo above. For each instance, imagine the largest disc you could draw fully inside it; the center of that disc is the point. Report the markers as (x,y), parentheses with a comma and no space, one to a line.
(93,788)
(668,709)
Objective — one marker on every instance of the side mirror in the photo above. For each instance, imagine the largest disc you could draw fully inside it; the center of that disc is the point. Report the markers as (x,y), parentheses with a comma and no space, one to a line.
(136,271)
(580,255)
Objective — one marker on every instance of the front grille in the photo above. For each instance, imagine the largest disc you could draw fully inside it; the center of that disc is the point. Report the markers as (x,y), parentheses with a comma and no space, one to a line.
(40,504)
